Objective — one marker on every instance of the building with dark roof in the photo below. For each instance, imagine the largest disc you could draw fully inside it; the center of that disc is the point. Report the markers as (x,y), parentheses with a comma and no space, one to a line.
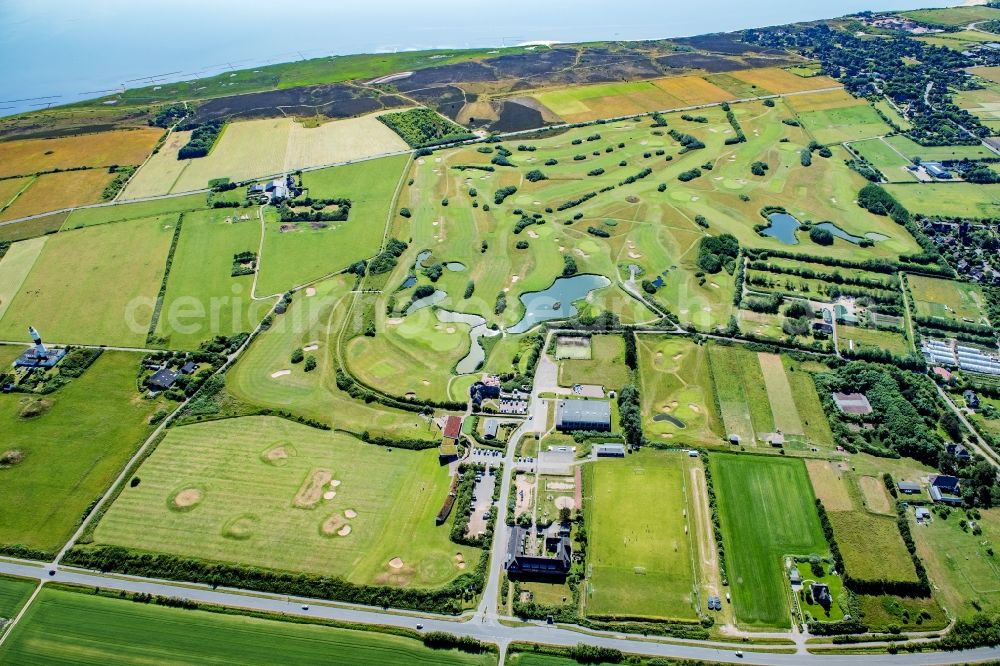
(518,563)
(609,450)
(822,328)
(945,483)
(821,594)
(189,368)
(971,399)
(959,451)
(162,379)
(908,487)
(583,415)
(490,429)
(38,356)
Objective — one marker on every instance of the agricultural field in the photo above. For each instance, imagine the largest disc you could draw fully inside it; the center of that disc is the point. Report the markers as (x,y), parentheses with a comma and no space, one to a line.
(76,626)
(851,122)
(913,150)
(871,546)
(30,156)
(949,199)
(676,382)
(966,575)
(824,101)
(100,418)
(983,104)
(14,268)
(203,299)
(605,367)
(14,593)
(886,159)
(953,16)
(612,100)
(10,188)
(268,492)
(133,211)
(946,299)
(55,191)
(855,337)
(741,393)
(692,90)
(777,81)
(640,560)
(892,114)
(265,376)
(258,148)
(958,41)
(108,295)
(293,257)
(767,512)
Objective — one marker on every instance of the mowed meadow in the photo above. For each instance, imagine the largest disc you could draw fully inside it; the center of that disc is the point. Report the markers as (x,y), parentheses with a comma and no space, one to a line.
(267,492)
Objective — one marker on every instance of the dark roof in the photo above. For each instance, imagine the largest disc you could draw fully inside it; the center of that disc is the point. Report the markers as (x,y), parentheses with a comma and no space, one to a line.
(575,412)
(945,482)
(909,486)
(490,428)
(453,427)
(189,368)
(518,562)
(162,379)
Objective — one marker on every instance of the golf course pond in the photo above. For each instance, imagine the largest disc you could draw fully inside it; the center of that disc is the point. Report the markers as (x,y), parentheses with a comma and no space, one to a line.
(474,359)
(556,302)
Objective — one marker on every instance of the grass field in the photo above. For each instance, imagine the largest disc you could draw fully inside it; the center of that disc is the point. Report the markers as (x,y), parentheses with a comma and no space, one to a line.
(605,367)
(953,16)
(884,158)
(608,100)
(741,393)
(912,149)
(14,268)
(692,90)
(133,211)
(203,299)
(966,575)
(890,112)
(872,338)
(807,404)
(824,101)
(257,148)
(28,156)
(10,188)
(778,81)
(949,199)
(767,512)
(55,191)
(295,257)
(73,627)
(72,451)
(106,297)
(14,593)
(847,123)
(779,394)
(676,380)
(256,490)
(640,560)
(946,299)
(871,546)
(314,320)
(33,227)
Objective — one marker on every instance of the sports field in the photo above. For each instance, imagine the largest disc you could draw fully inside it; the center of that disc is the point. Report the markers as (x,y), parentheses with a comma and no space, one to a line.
(14,592)
(66,626)
(676,381)
(767,511)
(71,451)
(946,299)
(265,376)
(847,123)
(640,552)
(268,492)
(55,191)
(102,149)
(294,257)
(94,286)
(203,299)
(605,367)
(886,159)
(258,148)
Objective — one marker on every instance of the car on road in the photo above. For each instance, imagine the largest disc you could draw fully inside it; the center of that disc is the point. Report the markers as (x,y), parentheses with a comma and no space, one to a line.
(305,606)
(419,627)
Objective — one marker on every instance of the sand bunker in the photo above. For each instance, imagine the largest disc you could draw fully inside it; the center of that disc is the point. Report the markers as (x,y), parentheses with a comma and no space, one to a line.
(396,563)
(532,234)
(351,513)
(11,457)
(332,524)
(309,348)
(334,483)
(694,408)
(344,531)
(459,560)
(187,498)
(565,503)
(312,488)
(310,291)
(634,255)
(278,455)
(329,495)
(280,373)
(450,329)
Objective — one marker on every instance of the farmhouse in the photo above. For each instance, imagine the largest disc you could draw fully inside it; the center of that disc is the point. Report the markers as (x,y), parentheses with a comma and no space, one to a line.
(189,368)
(583,415)
(162,379)
(945,489)
(959,451)
(908,487)
(38,356)
(609,450)
(822,328)
(852,403)
(937,171)
(821,594)
(971,399)
(518,562)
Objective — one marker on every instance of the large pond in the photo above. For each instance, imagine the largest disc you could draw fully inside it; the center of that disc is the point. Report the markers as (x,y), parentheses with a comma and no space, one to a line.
(474,359)
(426,302)
(782,227)
(556,302)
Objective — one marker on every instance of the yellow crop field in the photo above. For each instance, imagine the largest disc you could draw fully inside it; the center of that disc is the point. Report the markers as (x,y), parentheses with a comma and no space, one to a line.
(258,148)
(824,101)
(54,191)
(988,73)
(607,100)
(779,82)
(10,188)
(29,156)
(692,90)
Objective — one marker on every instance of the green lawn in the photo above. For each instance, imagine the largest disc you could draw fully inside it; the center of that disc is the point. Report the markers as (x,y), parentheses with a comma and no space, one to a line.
(872,338)
(767,510)
(203,299)
(14,593)
(73,627)
(949,199)
(741,392)
(884,158)
(72,451)
(953,16)
(676,381)
(133,211)
(811,414)
(850,123)
(295,257)
(605,367)
(15,266)
(639,554)
(259,489)
(946,299)
(871,546)
(911,149)
(95,285)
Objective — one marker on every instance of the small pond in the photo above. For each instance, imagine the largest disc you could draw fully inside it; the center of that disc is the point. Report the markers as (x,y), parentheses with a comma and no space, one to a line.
(455,266)
(408,282)
(669,418)
(425,302)
(474,359)
(556,302)
(782,227)
(839,233)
